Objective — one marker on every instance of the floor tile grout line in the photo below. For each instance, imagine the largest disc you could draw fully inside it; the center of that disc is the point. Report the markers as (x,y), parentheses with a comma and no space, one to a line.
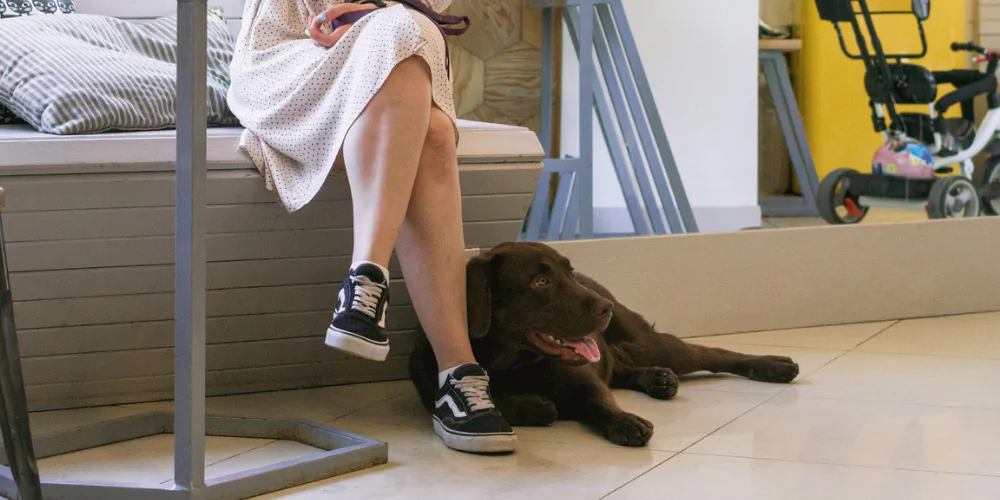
(946,356)
(647,471)
(812,462)
(750,344)
(758,405)
(363,408)
(255,448)
(880,332)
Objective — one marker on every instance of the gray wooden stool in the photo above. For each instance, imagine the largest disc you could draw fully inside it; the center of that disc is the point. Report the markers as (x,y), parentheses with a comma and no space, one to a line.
(19,451)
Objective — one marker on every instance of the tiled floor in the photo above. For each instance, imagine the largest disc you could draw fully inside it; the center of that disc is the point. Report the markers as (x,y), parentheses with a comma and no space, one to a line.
(893,410)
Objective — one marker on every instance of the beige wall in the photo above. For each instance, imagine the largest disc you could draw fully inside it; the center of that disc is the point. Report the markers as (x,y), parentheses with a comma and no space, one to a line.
(707,284)
(778,13)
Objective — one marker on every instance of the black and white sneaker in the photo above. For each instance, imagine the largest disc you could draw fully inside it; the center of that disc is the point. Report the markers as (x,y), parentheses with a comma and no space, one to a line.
(358,325)
(465,417)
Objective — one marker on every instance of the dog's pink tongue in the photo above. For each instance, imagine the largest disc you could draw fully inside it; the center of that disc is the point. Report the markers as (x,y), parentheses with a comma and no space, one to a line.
(586,347)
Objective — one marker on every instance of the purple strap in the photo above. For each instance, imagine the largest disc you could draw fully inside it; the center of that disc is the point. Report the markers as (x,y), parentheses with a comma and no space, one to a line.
(447,24)
(349,18)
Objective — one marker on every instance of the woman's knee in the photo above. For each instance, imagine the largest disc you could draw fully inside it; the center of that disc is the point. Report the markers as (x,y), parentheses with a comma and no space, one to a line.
(409,84)
(439,146)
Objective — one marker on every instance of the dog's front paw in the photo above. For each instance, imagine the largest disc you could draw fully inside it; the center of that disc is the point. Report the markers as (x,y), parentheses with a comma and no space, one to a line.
(659,383)
(525,410)
(775,369)
(627,429)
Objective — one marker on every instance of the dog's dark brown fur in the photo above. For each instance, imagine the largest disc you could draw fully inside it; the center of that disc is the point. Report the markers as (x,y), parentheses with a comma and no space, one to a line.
(510,304)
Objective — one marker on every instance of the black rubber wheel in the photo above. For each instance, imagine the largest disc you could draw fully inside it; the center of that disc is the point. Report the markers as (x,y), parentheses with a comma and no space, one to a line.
(990,178)
(836,204)
(953,197)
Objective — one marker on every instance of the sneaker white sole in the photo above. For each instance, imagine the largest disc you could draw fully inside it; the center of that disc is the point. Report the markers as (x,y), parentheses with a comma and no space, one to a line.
(353,345)
(500,443)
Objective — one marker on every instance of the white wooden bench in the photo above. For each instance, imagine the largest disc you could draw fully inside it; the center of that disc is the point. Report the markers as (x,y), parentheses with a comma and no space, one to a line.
(89,230)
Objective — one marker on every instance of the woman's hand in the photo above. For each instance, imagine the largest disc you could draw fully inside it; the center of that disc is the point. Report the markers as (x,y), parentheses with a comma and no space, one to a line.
(324,40)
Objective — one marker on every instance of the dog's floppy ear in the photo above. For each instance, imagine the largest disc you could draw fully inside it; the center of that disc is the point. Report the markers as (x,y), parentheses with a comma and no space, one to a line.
(479,298)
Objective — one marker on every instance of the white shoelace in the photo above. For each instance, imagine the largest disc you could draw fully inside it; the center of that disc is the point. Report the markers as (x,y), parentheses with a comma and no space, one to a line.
(474,388)
(367,293)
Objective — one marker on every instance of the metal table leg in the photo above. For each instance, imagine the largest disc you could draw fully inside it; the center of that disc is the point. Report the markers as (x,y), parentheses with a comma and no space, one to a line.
(341,452)
(14,411)
(780,85)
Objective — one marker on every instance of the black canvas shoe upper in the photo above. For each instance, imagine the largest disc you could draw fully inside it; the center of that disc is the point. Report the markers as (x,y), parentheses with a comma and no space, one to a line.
(464,404)
(361,304)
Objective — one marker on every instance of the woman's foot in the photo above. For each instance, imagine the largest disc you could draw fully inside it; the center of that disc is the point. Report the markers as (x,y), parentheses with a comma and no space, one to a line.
(465,417)
(358,325)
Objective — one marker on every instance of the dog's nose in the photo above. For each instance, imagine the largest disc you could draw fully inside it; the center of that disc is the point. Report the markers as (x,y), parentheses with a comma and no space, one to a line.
(604,308)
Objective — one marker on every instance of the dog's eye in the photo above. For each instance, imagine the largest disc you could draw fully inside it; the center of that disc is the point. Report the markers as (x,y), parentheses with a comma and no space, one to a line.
(542,281)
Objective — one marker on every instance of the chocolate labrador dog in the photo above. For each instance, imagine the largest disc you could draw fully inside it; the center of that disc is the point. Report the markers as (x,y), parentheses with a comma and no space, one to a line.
(556,342)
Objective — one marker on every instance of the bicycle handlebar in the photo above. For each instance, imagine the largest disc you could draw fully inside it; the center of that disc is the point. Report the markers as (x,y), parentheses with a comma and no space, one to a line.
(967,47)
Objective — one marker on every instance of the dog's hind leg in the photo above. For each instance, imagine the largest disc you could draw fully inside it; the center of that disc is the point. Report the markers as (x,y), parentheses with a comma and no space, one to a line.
(686,358)
(659,383)
(642,347)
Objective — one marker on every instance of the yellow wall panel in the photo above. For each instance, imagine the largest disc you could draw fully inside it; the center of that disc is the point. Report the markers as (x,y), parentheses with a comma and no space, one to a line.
(830,87)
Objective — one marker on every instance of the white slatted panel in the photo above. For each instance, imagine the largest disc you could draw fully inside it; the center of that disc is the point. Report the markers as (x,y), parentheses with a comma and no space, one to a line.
(147,9)
(92,270)
(90,247)
(989,23)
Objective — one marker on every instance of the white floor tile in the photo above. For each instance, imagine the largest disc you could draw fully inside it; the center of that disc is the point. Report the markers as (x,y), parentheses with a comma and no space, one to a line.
(678,423)
(973,335)
(892,435)
(701,477)
(823,337)
(965,382)
(146,461)
(420,467)
(270,454)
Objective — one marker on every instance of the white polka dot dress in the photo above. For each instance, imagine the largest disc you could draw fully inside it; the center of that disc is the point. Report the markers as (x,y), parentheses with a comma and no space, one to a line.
(298,100)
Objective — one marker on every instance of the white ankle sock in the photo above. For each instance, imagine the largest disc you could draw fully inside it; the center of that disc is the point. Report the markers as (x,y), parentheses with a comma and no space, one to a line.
(385,272)
(443,376)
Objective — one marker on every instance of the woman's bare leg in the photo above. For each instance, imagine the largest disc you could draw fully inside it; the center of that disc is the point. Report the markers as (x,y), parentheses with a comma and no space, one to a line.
(432,250)
(432,246)
(381,154)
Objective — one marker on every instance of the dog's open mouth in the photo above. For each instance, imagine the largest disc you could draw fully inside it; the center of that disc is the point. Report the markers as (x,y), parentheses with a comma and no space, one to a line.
(577,350)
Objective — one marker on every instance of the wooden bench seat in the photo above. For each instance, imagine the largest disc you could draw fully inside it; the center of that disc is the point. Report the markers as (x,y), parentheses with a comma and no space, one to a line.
(89,231)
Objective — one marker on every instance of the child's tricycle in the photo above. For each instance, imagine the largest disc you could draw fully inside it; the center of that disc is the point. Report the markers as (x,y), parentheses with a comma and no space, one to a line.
(926,160)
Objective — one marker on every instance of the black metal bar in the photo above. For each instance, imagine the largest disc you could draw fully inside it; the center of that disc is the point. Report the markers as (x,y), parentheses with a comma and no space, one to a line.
(14,413)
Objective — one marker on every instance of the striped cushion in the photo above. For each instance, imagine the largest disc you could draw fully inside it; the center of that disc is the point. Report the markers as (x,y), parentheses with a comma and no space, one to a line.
(18,8)
(85,74)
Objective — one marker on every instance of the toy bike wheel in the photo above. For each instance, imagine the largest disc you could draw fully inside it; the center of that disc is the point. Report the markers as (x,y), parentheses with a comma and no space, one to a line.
(990,187)
(836,204)
(953,197)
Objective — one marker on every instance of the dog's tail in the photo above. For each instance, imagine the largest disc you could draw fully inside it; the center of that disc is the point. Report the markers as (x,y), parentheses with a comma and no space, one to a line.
(423,372)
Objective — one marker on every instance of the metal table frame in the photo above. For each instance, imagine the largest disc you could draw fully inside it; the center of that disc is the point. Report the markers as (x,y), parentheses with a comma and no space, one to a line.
(780,85)
(343,452)
(629,120)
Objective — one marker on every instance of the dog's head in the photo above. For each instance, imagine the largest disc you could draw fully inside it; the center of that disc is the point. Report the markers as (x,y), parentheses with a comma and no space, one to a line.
(525,297)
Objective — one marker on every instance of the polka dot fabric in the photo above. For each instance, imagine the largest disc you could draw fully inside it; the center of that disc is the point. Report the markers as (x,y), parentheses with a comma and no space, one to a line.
(297,100)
